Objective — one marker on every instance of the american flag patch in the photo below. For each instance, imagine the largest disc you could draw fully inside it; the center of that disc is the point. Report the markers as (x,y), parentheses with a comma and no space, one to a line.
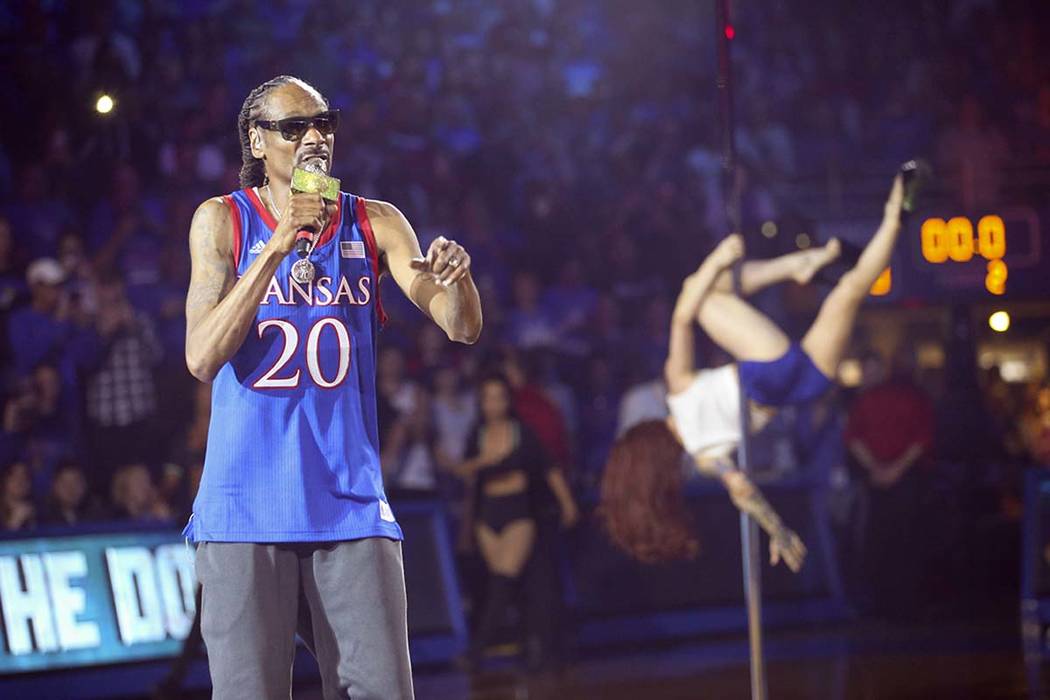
(352,249)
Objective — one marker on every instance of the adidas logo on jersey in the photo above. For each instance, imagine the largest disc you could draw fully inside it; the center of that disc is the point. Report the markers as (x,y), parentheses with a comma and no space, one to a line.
(257,248)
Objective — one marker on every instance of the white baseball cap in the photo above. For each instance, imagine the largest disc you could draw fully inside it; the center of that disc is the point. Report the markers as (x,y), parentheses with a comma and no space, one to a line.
(45,271)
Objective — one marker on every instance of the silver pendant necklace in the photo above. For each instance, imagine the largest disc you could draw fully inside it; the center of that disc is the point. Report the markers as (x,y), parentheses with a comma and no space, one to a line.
(303,270)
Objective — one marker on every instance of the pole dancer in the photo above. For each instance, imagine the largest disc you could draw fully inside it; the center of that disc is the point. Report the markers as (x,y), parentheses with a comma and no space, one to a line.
(641,492)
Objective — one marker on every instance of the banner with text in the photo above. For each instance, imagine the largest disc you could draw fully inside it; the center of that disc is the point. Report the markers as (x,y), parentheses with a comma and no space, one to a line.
(93,599)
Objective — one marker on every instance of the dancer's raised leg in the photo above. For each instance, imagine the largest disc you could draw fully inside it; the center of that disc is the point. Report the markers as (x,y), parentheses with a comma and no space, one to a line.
(827,337)
(740,329)
(800,266)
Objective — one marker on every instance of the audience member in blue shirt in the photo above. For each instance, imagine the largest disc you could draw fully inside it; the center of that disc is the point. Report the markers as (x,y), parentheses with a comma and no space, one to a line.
(45,332)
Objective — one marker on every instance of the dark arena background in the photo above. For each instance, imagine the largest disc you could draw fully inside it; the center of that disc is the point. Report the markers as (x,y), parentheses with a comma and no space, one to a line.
(575,149)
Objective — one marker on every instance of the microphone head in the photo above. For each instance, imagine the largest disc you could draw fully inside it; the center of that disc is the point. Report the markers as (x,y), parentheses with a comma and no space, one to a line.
(312,178)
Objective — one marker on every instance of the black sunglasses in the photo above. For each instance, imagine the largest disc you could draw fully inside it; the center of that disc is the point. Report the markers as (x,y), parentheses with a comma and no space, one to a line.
(293,128)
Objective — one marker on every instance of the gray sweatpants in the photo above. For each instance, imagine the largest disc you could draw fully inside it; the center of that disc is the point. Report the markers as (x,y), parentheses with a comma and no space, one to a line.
(345,599)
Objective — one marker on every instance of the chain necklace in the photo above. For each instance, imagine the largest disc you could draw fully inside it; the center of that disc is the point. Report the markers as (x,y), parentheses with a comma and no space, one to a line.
(273,204)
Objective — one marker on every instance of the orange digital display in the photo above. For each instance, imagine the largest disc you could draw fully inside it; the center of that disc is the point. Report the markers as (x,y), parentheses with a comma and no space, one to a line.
(883,284)
(991,237)
(953,240)
(995,281)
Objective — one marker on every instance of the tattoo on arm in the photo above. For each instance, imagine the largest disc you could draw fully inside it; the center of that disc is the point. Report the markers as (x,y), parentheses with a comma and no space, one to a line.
(750,500)
(211,288)
(213,273)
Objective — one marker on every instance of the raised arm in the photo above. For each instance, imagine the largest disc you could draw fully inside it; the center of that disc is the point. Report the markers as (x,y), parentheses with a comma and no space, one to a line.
(219,307)
(681,364)
(445,293)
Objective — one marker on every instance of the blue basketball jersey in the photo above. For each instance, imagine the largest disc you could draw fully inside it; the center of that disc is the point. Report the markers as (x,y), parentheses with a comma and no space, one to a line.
(293,446)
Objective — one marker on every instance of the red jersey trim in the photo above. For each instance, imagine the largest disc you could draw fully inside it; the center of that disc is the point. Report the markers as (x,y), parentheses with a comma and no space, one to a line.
(235,214)
(327,235)
(263,212)
(373,254)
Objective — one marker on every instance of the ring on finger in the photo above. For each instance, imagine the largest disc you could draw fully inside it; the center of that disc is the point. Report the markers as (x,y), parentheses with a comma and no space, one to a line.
(453,262)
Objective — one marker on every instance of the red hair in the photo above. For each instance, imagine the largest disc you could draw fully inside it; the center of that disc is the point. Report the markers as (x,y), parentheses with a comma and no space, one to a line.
(641,506)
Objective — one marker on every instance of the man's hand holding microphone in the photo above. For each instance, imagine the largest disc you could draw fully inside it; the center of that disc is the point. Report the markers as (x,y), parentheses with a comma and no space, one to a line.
(311,205)
(306,211)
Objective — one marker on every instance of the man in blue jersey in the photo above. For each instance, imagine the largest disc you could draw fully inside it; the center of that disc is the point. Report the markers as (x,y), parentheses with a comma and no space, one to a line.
(293,530)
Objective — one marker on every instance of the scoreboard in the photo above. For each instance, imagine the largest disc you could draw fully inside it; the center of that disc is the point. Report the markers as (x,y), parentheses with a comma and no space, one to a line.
(989,240)
(947,256)
(953,240)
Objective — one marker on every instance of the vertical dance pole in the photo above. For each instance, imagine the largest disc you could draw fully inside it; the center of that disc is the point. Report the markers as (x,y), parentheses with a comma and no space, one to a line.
(749,536)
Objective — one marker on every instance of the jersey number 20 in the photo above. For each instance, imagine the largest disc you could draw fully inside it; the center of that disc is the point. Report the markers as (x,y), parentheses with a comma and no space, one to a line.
(269,380)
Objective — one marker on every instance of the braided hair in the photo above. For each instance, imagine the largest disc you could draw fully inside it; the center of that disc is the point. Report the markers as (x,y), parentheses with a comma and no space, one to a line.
(253,172)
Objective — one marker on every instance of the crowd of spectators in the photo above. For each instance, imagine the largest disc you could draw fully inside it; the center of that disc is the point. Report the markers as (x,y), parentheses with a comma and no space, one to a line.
(570,145)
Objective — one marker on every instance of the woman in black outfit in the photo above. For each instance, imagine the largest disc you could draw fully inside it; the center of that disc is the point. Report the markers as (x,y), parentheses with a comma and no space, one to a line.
(511,478)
